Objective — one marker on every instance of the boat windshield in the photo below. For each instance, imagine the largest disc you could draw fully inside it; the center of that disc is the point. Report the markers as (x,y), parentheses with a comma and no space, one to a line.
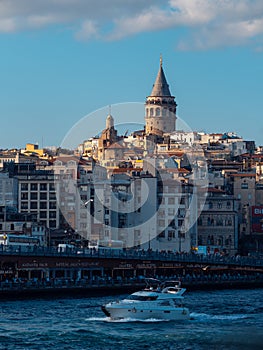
(142,297)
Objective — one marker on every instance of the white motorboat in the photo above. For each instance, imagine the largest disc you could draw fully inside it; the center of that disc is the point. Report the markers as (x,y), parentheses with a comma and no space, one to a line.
(158,300)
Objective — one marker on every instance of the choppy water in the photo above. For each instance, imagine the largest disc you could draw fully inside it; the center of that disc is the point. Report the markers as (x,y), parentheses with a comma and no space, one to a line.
(231,319)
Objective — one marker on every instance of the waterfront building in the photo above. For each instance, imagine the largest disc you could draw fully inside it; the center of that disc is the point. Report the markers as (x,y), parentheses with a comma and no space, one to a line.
(89,207)
(65,169)
(174,233)
(37,194)
(17,224)
(243,186)
(126,205)
(218,223)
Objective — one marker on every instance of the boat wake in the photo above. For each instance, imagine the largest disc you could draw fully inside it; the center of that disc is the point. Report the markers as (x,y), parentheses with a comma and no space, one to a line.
(206,317)
(124,320)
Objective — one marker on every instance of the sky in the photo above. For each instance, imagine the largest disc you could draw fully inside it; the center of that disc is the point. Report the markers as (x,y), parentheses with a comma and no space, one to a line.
(65,61)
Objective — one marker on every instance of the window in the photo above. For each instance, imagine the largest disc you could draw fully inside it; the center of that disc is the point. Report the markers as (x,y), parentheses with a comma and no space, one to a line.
(52,205)
(210,221)
(229,222)
(180,222)
(24,195)
(52,214)
(43,205)
(171,211)
(33,195)
(43,187)
(171,201)
(33,187)
(212,239)
(172,224)
(244,186)
(219,222)
(52,223)
(171,234)
(24,187)
(52,195)
(161,235)
(43,214)
(24,205)
(33,205)
(182,201)
(161,223)
(43,196)
(137,233)
(51,187)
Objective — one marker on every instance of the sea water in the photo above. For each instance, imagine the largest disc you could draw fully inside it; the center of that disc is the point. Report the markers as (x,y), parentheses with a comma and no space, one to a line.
(228,319)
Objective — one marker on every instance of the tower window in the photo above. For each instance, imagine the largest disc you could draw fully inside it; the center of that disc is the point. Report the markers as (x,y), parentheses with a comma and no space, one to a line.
(158,112)
(151,111)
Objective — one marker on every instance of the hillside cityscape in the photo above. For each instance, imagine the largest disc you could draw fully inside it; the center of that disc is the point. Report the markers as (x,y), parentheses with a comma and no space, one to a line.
(158,188)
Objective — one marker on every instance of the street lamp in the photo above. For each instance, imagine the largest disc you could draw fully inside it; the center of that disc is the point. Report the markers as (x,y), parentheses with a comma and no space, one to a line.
(88,201)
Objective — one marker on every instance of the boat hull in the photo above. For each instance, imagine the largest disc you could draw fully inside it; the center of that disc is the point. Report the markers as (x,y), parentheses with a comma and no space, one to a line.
(133,312)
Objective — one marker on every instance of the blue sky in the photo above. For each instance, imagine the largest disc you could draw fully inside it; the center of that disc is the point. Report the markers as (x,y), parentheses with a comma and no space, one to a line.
(62,60)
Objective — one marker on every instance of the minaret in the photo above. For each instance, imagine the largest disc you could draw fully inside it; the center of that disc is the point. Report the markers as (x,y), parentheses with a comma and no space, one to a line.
(160,107)
(109,120)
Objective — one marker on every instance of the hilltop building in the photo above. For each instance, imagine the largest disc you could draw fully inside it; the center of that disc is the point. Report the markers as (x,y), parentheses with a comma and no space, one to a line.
(160,107)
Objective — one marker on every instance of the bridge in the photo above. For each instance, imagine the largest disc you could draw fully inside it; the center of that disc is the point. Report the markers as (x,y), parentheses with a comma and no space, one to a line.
(47,263)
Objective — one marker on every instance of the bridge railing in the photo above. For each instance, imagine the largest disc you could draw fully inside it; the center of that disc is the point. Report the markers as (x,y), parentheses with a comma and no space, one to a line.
(131,254)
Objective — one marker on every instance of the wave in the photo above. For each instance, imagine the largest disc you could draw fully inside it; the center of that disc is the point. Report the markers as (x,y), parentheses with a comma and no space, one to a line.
(123,320)
(207,317)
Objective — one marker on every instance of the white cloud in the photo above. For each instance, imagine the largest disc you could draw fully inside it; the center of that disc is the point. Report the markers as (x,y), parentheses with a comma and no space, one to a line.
(7,25)
(89,30)
(211,23)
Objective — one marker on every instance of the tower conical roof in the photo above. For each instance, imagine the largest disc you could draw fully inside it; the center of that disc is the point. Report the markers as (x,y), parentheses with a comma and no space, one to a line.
(160,87)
